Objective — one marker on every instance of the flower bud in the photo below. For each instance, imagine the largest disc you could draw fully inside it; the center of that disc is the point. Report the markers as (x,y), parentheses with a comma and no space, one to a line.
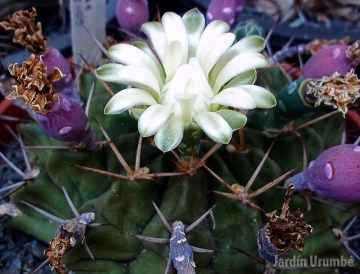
(131,14)
(247,28)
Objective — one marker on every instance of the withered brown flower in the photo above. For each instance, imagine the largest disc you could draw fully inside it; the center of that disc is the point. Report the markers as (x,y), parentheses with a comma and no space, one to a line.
(35,86)
(337,90)
(57,250)
(286,231)
(27,33)
(353,51)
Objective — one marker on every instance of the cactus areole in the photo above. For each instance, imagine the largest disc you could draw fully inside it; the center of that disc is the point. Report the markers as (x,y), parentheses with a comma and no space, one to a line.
(335,174)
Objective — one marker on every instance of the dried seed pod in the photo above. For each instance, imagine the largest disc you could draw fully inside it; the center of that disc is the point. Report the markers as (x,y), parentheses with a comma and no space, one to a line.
(335,174)
(57,250)
(69,234)
(266,249)
(283,233)
(73,231)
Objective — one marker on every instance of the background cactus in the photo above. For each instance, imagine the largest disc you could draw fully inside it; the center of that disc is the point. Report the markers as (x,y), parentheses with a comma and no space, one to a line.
(124,205)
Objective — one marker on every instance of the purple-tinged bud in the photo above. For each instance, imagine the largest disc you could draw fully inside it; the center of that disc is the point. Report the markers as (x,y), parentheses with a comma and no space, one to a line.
(66,121)
(334,58)
(131,14)
(54,59)
(224,10)
(335,174)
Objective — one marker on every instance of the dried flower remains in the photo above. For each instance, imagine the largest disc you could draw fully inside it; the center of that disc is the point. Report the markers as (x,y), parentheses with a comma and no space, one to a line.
(283,233)
(337,90)
(35,86)
(27,33)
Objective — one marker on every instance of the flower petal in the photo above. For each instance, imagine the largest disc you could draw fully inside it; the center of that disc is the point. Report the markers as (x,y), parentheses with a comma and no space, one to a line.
(153,118)
(235,119)
(245,78)
(215,49)
(235,97)
(128,98)
(247,44)
(186,104)
(262,97)
(194,24)
(175,30)
(134,76)
(156,34)
(136,113)
(146,49)
(176,86)
(199,81)
(212,30)
(129,55)
(214,126)
(172,59)
(237,65)
(170,134)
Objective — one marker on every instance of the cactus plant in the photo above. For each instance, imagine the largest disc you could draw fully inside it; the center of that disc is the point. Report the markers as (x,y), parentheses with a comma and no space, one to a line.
(196,92)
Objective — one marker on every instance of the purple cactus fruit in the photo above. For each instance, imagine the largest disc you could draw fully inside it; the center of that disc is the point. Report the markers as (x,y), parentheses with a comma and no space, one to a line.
(131,14)
(325,62)
(60,117)
(66,121)
(222,10)
(335,174)
(52,59)
(240,5)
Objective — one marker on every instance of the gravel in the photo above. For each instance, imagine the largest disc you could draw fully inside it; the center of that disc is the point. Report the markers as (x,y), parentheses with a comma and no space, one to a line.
(20,253)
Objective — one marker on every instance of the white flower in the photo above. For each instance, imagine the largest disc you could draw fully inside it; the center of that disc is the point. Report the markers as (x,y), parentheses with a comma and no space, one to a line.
(190,79)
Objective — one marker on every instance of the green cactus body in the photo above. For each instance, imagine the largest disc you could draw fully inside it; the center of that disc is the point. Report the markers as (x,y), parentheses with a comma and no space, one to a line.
(123,204)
